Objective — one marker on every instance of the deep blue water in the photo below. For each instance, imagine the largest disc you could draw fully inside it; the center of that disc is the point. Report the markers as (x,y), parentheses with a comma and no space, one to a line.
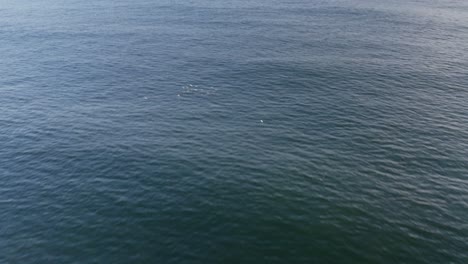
(235,131)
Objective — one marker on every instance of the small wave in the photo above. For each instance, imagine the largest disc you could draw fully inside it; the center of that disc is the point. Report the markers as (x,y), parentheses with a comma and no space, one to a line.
(191,89)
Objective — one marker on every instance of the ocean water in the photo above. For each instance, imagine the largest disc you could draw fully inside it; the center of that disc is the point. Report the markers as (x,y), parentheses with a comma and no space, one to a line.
(234,131)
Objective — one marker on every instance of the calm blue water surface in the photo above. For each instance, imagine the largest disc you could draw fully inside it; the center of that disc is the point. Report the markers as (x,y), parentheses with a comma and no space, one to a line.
(305,131)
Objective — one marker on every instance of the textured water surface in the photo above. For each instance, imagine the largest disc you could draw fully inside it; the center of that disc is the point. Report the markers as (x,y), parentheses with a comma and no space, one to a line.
(234,131)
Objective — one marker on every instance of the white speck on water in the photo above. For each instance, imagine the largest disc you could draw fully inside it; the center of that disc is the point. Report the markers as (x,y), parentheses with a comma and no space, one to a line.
(261,121)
